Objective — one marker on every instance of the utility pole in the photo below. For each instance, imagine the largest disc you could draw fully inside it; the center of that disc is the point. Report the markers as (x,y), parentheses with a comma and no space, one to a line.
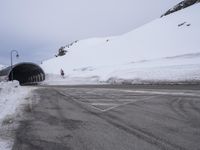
(11,59)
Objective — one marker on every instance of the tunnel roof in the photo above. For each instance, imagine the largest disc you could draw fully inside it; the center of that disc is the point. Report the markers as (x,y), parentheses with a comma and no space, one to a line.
(24,65)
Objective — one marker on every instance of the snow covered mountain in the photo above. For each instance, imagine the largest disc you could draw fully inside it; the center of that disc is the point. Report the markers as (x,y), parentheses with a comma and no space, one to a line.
(1,67)
(166,49)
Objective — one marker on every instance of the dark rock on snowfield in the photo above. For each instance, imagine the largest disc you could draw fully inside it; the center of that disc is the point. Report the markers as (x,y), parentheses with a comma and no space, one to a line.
(181,5)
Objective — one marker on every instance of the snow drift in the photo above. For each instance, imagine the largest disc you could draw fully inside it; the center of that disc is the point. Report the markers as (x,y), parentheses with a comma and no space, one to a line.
(166,49)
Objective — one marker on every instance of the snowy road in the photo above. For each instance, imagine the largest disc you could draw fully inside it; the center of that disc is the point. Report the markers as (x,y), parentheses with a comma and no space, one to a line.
(112,118)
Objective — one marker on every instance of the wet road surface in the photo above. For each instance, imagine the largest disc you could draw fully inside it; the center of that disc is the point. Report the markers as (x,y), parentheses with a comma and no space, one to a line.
(109,118)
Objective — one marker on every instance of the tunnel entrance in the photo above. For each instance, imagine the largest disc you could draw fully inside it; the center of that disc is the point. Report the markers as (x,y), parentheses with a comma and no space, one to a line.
(25,73)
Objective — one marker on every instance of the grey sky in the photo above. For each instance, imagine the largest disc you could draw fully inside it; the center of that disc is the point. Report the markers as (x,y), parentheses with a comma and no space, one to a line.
(37,28)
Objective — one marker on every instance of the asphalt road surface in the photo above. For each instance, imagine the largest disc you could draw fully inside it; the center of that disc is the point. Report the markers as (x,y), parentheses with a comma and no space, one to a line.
(111,118)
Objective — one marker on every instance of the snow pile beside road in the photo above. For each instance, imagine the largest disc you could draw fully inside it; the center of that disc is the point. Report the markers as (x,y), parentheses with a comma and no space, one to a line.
(11,96)
(179,69)
(52,79)
(5,145)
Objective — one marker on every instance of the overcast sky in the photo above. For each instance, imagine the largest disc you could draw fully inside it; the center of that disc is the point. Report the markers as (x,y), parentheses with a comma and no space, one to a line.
(37,28)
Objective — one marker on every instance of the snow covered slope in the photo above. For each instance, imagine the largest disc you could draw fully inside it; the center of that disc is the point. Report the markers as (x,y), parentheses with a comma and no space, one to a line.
(142,50)
(1,66)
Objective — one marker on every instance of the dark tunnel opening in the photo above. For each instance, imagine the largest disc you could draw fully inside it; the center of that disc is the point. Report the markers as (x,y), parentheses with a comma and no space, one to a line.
(27,73)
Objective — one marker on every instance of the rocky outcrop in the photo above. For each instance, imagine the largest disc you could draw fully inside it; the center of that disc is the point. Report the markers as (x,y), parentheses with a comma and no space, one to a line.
(181,5)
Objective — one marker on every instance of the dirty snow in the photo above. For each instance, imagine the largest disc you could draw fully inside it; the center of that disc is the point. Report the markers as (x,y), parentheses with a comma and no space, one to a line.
(11,96)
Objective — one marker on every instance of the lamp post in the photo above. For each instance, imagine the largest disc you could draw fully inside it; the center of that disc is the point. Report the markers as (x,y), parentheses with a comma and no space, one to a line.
(17,55)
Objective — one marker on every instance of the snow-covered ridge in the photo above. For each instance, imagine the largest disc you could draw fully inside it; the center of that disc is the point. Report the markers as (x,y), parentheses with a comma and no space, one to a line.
(169,42)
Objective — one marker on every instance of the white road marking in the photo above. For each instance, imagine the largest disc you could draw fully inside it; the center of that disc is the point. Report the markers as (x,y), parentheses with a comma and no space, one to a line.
(162,92)
(85,103)
(115,105)
(108,109)
(103,104)
(127,103)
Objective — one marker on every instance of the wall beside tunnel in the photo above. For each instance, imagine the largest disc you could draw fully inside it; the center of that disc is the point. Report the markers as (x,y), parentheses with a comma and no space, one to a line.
(25,73)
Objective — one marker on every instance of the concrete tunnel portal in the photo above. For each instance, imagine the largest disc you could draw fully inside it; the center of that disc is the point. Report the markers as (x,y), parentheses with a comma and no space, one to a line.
(25,73)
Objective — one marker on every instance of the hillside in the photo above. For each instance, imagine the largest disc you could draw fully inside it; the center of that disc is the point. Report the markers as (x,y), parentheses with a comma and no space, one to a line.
(136,54)
(1,66)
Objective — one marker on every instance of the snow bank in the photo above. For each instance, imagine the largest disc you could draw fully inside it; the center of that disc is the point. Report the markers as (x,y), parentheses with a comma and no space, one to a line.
(11,96)
(52,79)
(5,145)
(140,54)
(184,68)
(10,92)
(179,69)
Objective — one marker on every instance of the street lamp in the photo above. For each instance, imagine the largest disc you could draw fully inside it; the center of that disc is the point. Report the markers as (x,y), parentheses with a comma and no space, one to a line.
(17,55)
